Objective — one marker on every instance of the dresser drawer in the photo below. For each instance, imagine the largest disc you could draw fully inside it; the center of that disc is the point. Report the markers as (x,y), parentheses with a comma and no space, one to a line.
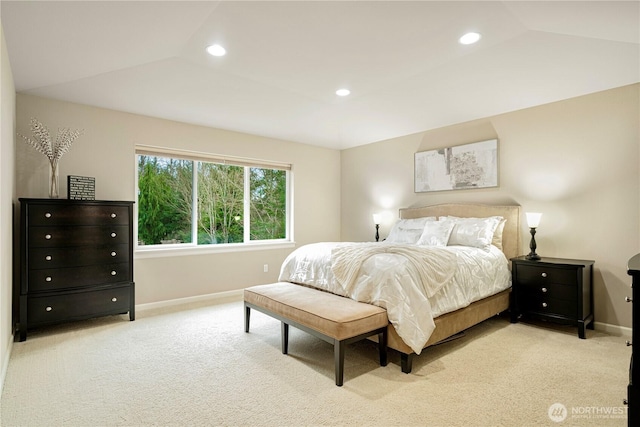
(51,279)
(78,214)
(532,274)
(78,305)
(61,257)
(77,236)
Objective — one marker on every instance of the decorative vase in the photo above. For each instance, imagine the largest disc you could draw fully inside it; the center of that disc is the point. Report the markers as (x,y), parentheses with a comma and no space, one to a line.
(53,179)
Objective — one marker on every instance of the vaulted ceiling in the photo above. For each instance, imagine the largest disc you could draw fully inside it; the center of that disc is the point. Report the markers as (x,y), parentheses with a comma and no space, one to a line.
(401,60)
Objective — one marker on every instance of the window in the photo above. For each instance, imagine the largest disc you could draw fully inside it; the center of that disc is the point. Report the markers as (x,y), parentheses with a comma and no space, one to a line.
(193,199)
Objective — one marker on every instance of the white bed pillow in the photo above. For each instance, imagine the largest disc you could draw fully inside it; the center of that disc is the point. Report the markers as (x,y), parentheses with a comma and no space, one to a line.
(408,230)
(474,232)
(497,235)
(436,233)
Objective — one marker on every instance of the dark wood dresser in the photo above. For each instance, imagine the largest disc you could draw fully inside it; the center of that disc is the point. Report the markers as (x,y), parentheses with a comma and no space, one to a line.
(76,261)
(553,289)
(633,389)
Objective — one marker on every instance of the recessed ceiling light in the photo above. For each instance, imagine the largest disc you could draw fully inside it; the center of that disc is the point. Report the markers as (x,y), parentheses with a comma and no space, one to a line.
(469,38)
(343,92)
(216,50)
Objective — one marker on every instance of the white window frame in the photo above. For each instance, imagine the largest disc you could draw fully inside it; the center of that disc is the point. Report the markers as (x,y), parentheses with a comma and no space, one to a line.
(181,249)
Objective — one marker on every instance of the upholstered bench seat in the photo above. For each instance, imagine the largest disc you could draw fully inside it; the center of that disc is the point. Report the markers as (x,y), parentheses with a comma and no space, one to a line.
(335,319)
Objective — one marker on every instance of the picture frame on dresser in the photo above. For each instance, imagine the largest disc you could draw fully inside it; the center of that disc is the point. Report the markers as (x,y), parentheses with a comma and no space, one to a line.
(76,261)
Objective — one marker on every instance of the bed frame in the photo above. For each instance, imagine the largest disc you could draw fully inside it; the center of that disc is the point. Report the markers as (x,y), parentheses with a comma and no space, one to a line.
(450,324)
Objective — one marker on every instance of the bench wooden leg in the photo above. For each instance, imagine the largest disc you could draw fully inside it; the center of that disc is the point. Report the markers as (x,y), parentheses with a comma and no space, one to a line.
(247,314)
(382,347)
(285,338)
(338,355)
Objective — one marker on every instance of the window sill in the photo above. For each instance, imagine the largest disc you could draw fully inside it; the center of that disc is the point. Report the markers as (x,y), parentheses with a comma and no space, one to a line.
(142,252)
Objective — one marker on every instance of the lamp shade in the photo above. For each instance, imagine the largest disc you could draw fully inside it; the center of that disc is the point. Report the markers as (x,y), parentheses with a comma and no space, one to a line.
(377,218)
(533,219)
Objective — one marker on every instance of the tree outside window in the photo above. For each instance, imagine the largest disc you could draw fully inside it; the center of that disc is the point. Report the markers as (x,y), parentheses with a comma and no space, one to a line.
(168,195)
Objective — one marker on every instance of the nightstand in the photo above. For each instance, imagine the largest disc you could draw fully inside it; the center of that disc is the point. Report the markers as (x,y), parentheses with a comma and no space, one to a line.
(553,289)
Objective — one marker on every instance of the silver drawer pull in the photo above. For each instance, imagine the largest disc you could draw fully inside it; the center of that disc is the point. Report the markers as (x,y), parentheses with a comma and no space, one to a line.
(47,236)
(48,257)
(544,274)
(544,290)
(113,234)
(47,215)
(47,279)
(113,253)
(113,215)
(113,272)
(544,304)
(114,299)
(627,299)
(49,308)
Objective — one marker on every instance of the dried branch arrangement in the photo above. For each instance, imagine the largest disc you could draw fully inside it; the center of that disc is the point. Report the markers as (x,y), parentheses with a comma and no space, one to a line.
(43,143)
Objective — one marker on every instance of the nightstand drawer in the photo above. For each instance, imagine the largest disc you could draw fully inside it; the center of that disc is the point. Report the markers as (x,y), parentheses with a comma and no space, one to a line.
(551,307)
(533,290)
(531,274)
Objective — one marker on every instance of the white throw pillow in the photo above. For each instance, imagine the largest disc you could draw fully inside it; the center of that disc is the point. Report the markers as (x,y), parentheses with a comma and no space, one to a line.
(436,233)
(408,230)
(475,232)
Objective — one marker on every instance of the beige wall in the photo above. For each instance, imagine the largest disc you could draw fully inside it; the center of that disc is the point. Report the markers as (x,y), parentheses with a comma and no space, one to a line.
(7,127)
(106,152)
(576,161)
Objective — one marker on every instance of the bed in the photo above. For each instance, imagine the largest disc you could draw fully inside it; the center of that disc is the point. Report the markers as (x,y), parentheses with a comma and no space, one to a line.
(432,291)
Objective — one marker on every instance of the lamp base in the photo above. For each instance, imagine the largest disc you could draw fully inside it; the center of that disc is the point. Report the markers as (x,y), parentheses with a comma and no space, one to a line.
(532,254)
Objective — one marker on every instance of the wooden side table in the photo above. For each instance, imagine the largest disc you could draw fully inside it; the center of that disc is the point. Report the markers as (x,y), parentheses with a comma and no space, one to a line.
(554,289)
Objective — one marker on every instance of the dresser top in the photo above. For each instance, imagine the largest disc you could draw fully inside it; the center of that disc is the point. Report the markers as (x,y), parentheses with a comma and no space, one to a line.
(71,201)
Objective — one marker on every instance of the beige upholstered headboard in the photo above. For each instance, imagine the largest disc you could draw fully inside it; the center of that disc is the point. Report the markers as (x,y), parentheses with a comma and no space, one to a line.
(510,235)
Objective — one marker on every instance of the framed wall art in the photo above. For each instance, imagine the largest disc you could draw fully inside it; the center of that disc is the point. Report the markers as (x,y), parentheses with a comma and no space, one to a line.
(459,167)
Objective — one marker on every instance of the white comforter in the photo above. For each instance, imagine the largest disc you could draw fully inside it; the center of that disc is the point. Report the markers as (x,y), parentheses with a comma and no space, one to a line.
(414,284)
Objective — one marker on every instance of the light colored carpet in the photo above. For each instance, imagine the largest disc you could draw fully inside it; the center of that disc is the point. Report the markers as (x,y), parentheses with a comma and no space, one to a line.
(195,366)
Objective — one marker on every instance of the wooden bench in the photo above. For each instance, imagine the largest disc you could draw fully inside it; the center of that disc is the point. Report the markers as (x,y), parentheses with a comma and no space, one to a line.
(332,318)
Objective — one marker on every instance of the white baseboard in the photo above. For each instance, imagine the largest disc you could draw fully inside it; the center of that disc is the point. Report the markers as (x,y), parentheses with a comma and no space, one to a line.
(5,365)
(217,298)
(613,329)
